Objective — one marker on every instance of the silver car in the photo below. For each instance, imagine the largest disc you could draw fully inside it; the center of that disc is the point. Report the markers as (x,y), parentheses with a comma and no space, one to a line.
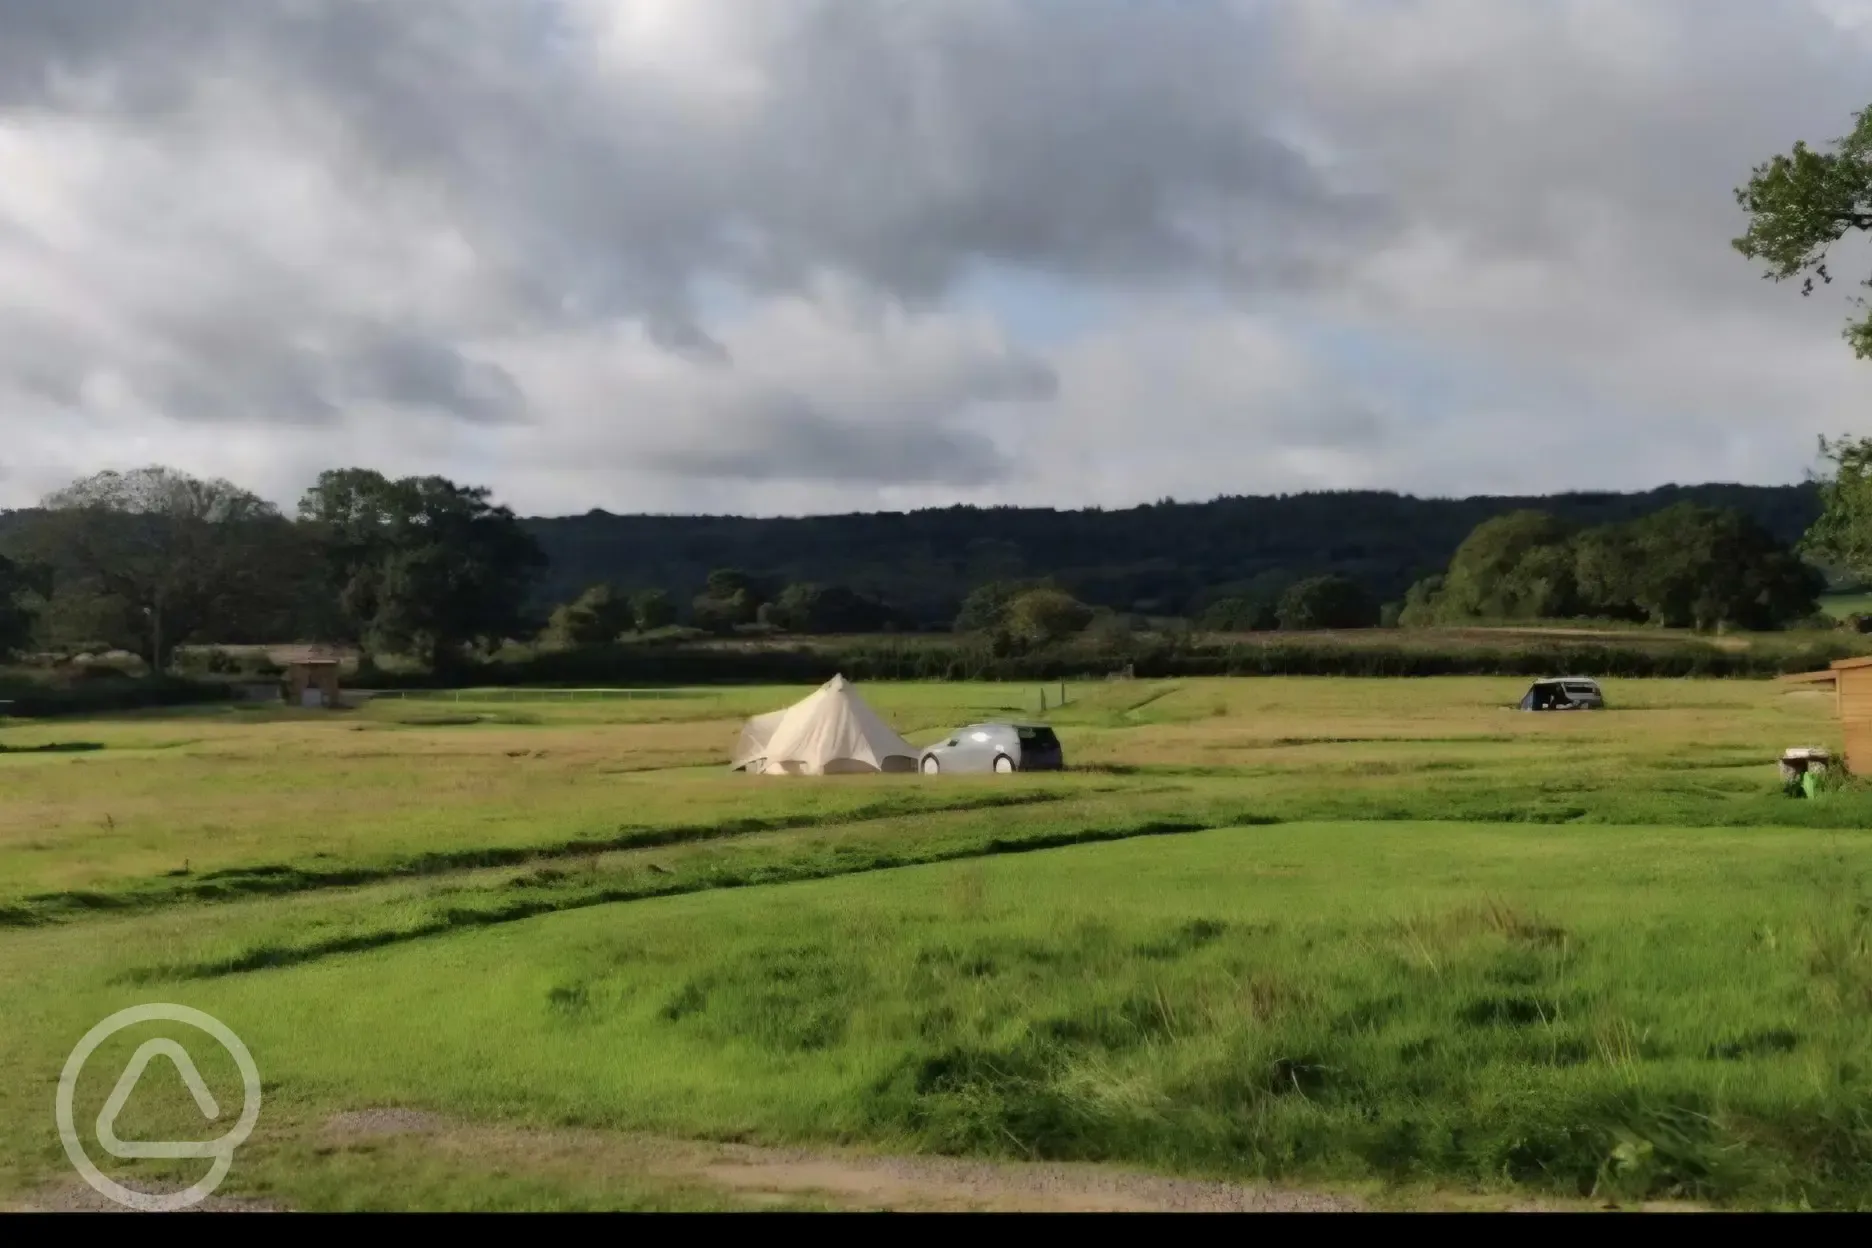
(994,748)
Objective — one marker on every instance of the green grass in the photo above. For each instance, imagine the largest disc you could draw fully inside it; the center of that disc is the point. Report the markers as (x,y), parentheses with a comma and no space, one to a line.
(1332,931)
(1839,606)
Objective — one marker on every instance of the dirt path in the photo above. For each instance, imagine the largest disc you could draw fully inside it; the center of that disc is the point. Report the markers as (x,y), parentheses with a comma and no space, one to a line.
(852,1180)
(858,1181)
(936,1183)
(836,1178)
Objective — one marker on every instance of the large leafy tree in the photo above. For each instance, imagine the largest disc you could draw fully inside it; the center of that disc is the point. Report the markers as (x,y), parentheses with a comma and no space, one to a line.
(652,609)
(1043,616)
(1800,205)
(421,565)
(985,608)
(729,598)
(1703,567)
(1842,537)
(595,618)
(162,558)
(1512,567)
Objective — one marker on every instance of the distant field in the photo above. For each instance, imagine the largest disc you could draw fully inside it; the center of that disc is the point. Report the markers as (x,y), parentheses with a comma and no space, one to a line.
(1383,936)
(1842,605)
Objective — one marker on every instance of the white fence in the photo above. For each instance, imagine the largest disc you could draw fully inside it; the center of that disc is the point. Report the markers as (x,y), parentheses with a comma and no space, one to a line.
(511,695)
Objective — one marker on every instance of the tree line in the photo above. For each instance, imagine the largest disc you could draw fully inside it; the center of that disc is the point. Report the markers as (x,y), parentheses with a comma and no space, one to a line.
(1165,559)
(429,569)
(150,560)
(1683,567)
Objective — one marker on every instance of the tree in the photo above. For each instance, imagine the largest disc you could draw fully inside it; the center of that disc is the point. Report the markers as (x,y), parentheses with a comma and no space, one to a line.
(729,599)
(421,564)
(1239,615)
(1043,616)
(1327,602)
(652,609)
(22,590)
(1423,603)
(354,516)
(985,608)
(1516,566)
(804,607)
(1800,204)
(1243,606)
(1842,536)
(1606,571)
(165,558)
(595,618)
(800,608)
(1705,568)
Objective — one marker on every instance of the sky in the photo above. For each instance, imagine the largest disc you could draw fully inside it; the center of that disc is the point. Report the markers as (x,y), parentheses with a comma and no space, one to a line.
(804,256)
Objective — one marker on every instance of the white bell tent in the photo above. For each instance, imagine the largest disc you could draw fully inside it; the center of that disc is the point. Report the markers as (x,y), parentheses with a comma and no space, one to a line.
(831,732)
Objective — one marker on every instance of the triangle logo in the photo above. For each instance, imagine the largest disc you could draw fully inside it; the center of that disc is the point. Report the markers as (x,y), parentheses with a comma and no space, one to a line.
(178,1056)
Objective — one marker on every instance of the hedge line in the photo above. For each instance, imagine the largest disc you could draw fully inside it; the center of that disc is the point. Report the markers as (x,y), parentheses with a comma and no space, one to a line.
(805,664)
(33,700)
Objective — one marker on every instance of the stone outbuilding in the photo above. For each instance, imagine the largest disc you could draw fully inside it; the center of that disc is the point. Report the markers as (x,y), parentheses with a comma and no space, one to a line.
(311,682)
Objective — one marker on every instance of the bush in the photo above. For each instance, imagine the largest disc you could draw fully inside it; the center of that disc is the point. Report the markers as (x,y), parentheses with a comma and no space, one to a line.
(1324,602)
(99,671)
(101,695)
(1043,616)
(214,661)
(1239,615)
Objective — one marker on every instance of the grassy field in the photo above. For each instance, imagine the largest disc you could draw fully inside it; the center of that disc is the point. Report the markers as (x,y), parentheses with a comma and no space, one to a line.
(1839,606)
(1381,936)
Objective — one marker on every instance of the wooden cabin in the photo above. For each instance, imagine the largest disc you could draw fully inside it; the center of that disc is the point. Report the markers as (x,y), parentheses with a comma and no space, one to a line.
(1850,682)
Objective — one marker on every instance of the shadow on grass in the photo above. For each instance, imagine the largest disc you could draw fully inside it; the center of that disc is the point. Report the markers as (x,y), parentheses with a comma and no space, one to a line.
(670,884)
(55,747)
(235,883)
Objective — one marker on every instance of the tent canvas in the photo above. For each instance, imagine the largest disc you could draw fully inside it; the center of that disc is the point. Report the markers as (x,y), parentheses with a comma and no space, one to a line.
(751,749)
(831,732)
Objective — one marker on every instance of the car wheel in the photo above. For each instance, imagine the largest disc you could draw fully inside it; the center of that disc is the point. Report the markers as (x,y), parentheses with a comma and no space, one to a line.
(931,766)
(1003,764)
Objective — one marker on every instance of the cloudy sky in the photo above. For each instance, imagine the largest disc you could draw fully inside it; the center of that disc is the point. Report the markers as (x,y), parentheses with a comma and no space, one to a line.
(782,256)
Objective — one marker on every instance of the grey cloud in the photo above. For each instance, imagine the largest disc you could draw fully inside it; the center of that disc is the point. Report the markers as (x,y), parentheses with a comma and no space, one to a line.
(402,369)
(1578,155)
(898,142)
(682,336)
(1016,378)
(896,145)
(1330,421)
(789,441)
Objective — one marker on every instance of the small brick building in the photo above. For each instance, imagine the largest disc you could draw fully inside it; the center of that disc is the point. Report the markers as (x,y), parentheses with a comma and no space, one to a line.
(311,682)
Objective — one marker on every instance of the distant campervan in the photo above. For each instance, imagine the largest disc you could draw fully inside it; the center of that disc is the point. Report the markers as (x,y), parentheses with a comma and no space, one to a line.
(1567,693)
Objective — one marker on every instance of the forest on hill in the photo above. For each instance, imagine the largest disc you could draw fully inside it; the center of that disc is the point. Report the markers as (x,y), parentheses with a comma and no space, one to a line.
(425,568)
(1166,558)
